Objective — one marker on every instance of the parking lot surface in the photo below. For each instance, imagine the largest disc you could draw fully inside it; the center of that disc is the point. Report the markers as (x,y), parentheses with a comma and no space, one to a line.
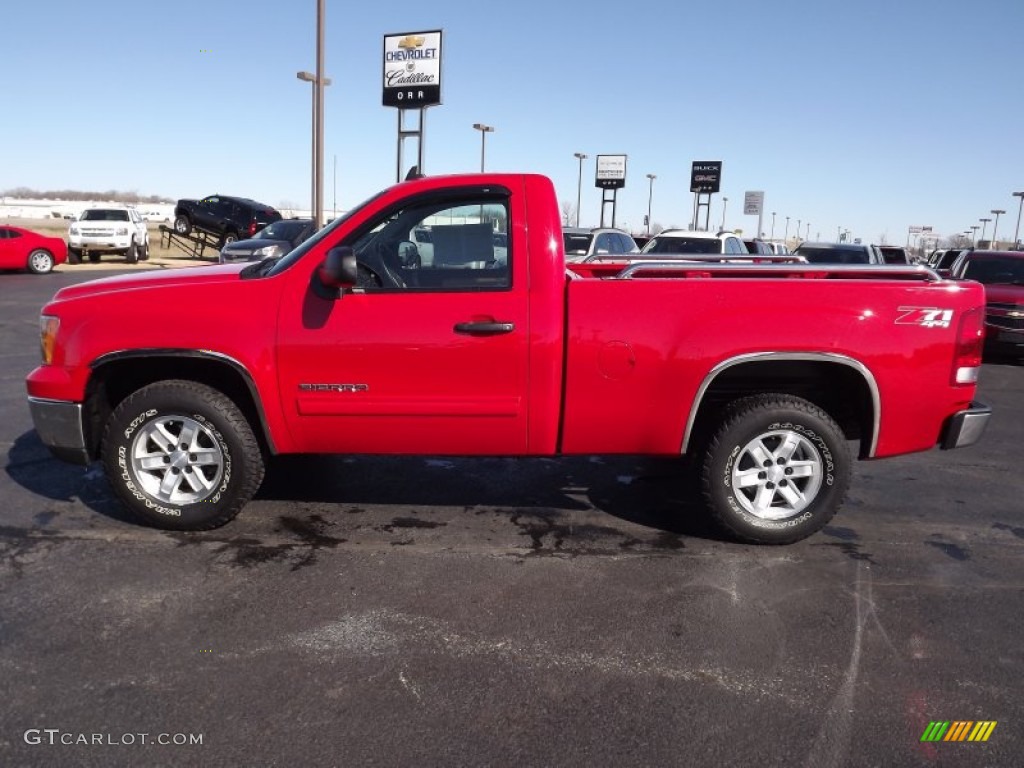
(396,612)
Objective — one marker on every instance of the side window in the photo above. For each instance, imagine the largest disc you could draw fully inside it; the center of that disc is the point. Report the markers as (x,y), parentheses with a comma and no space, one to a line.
(433,245)
(11,234)
(3,234)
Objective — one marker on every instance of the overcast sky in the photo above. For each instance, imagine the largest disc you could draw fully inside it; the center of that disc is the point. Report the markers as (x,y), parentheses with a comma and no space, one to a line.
(873,115)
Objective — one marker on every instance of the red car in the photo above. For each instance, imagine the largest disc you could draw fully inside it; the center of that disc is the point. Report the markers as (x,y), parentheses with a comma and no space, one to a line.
(25,249)
(1002,274)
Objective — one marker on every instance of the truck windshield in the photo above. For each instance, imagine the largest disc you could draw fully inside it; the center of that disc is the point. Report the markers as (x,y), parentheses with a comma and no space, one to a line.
(104,214)
(280,265)
(1008,271)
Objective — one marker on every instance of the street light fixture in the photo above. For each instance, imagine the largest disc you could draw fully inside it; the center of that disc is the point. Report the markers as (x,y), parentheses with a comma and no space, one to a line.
(773,226)
(650,196)
(798,222)
(785,237)
(484,130)
(974,234)
(579,184)
(316,183)
(984,223)
(725,204)
(997,212)
(1016,232)
(808,231)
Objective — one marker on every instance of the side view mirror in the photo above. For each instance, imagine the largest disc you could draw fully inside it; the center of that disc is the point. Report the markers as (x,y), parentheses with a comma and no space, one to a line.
(339,270)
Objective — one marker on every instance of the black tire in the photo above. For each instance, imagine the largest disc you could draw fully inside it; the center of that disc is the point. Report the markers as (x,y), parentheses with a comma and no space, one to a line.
(803,477)
(132,254)
(94,257)
(159,484)
(182,225)
(74,256)
(228,238)
(40,261)
(144,252)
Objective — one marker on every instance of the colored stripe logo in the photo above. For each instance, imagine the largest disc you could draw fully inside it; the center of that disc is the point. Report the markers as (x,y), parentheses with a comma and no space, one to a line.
(959,730)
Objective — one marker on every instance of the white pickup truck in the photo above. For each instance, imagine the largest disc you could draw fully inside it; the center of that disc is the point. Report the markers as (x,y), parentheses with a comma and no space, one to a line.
(108,229)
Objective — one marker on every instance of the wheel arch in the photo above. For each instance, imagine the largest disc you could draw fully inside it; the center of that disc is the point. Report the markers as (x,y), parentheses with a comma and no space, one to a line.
(117,374)
(840,385)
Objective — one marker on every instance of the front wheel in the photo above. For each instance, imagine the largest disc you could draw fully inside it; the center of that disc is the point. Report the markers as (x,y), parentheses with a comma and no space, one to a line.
(182,225)
(181,455)
(132,254)
(40,261)
(776,470)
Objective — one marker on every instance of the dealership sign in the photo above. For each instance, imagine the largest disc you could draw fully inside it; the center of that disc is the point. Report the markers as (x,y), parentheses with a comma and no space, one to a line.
(412,69)
(611,171)
(706,176)
(753,203)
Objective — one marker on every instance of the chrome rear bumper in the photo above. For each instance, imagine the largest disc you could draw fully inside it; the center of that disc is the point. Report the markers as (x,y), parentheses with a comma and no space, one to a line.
(966,427)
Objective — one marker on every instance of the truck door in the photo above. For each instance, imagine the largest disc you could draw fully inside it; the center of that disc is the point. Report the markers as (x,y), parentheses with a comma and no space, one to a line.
(429,354)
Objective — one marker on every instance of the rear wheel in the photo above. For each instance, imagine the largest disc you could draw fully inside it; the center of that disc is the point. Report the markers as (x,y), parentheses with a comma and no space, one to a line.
(776,470)
(230,237)
(40,261)
(181,455)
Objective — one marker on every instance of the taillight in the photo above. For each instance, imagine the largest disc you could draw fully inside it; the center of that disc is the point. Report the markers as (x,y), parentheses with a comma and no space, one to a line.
(970,342)
(252,228)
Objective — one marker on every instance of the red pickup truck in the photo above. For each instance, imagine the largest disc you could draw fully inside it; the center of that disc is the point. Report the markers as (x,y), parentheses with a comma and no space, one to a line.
(439,318)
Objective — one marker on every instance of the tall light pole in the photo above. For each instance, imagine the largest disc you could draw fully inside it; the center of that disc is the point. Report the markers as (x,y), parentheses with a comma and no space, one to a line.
(997,212)
(579,184)
(316,194)
(725,204)
(974,234)
(773,226)
(785,237)
(798,230)
(484,130)
(808,231)
(650,196)
(984,223)
(1016,232)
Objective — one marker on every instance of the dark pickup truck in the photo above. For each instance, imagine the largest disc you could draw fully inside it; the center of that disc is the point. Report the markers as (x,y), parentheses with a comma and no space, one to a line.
(229,218)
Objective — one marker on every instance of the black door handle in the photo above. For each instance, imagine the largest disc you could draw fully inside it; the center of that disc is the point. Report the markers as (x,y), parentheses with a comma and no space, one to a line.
(484,329)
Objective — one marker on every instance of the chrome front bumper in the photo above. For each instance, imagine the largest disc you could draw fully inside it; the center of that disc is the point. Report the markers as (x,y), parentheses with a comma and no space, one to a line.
(966,427)
(60,428)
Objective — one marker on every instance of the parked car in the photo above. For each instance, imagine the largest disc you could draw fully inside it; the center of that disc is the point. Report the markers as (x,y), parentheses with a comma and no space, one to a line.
(273,240)
(588,244)
(24,249)
(943,260)
(839,253)
(679,241)
(759,246)
(229,218)
(1002,274)
(117,229)
(894,254)
(779,249)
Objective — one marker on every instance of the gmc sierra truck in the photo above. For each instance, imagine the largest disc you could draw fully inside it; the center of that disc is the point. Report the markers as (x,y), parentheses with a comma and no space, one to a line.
(479,340)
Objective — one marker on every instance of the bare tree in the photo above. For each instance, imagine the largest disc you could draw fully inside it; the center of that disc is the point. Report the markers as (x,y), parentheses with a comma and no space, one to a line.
(568,212)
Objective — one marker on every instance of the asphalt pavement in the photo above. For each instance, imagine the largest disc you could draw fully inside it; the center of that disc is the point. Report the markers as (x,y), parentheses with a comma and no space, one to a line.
(491,612)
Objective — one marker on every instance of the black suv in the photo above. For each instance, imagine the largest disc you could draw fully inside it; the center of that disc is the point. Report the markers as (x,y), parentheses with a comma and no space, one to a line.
(231,218)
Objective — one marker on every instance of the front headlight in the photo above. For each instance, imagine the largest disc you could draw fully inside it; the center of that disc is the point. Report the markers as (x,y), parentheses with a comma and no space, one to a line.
(266,251)
(74,229)
(48,327)
(121,231)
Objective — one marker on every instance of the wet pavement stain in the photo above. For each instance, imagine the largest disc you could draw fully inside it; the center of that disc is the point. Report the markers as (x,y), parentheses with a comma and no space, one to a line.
(1016,531)
(851,550)
(950,550)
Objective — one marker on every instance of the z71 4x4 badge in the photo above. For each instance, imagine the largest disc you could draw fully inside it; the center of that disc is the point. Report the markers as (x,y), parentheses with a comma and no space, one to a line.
(927,317)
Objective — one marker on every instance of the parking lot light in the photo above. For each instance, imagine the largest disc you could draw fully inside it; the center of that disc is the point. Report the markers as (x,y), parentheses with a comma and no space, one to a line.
(484,130)
(995,226)
(1016,232)
(579,184)
(650,196)
(984,223)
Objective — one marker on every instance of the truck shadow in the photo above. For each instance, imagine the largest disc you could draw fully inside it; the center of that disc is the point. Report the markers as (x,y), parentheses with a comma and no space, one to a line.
(653,493)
